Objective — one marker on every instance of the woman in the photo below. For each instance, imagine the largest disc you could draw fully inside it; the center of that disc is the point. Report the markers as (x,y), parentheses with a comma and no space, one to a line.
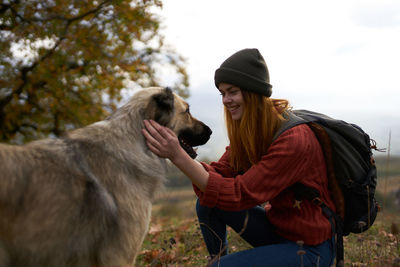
(256,170)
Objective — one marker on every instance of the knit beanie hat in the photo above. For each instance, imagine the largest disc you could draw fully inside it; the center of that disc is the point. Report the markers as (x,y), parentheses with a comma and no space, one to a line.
(247,70)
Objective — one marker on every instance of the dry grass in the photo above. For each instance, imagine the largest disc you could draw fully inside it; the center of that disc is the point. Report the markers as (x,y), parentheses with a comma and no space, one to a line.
(174,237)
(379,246)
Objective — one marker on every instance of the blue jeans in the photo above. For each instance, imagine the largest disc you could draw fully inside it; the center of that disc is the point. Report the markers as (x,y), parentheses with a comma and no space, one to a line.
(270,249)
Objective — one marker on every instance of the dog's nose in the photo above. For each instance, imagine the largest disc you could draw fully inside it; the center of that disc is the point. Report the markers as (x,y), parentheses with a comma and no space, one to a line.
(206,134)
(208,130)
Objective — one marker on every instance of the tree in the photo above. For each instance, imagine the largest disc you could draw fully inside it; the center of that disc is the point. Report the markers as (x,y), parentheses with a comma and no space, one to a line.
(63,63)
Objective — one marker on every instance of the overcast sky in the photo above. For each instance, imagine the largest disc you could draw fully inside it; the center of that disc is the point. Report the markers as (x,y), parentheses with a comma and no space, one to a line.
(337,57)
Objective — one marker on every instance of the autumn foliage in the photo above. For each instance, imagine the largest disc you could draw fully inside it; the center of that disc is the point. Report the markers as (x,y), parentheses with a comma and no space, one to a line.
(63,63)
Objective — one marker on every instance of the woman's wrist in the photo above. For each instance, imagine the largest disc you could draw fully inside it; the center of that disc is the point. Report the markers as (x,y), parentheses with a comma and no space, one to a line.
(191,168)
(179,156)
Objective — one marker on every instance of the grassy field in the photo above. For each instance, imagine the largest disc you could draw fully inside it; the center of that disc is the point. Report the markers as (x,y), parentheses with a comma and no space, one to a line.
(174,237)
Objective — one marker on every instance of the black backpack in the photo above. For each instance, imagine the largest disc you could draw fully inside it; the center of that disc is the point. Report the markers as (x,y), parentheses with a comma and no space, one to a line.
(351,170)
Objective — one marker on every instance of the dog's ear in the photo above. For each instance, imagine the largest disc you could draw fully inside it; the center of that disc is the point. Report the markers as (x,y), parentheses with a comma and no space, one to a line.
(160,107)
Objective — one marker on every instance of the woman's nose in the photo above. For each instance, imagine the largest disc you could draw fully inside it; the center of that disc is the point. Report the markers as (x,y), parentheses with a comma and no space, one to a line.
(226,99)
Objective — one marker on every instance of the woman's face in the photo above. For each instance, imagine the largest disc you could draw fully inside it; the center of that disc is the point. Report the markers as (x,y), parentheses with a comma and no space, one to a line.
(232,99)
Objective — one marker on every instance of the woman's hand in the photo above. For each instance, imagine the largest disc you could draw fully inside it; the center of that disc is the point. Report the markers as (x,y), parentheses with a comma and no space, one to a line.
(161,140)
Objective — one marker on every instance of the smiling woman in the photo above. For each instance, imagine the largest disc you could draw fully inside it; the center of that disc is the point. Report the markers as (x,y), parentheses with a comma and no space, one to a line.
(254,171)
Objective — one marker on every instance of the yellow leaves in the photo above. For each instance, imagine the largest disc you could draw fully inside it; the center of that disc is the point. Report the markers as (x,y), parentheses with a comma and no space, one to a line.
(91,55)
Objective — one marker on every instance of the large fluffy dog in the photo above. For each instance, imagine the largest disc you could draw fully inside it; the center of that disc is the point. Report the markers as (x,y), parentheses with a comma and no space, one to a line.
(85,199)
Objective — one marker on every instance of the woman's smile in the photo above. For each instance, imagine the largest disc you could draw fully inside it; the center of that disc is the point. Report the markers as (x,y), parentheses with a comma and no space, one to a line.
(233,108)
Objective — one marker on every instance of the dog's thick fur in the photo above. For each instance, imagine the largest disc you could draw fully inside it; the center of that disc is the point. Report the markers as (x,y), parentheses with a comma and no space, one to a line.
(85,199)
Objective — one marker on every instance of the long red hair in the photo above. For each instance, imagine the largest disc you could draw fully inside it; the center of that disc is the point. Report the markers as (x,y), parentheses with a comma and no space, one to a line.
(251,136)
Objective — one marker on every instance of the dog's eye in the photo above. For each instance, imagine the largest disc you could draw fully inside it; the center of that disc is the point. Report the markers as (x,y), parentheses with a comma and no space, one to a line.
(187,111)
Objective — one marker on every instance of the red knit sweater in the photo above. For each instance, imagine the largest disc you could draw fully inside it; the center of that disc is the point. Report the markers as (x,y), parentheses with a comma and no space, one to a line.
(294,156)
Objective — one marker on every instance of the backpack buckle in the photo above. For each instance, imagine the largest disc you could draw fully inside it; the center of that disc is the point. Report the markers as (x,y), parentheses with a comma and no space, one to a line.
(317,201)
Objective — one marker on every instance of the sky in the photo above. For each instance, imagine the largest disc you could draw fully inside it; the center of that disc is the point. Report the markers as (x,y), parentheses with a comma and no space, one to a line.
(341,57)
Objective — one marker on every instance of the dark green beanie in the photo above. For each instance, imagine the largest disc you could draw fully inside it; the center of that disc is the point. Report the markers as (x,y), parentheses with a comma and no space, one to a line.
(247,70)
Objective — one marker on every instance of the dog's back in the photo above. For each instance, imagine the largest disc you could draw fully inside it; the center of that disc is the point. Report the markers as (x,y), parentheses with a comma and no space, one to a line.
(50,204)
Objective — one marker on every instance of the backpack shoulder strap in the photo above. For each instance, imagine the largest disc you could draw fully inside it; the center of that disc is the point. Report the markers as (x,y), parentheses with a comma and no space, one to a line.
(291,120)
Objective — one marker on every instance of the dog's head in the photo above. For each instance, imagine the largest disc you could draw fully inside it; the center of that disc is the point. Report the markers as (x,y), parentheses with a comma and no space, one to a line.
(170,110)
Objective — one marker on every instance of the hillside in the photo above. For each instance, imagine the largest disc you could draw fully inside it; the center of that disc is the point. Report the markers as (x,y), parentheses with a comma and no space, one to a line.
(174,237)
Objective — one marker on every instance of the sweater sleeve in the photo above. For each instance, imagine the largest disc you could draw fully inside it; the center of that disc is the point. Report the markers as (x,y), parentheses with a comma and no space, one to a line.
(280,168)
(222,166)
